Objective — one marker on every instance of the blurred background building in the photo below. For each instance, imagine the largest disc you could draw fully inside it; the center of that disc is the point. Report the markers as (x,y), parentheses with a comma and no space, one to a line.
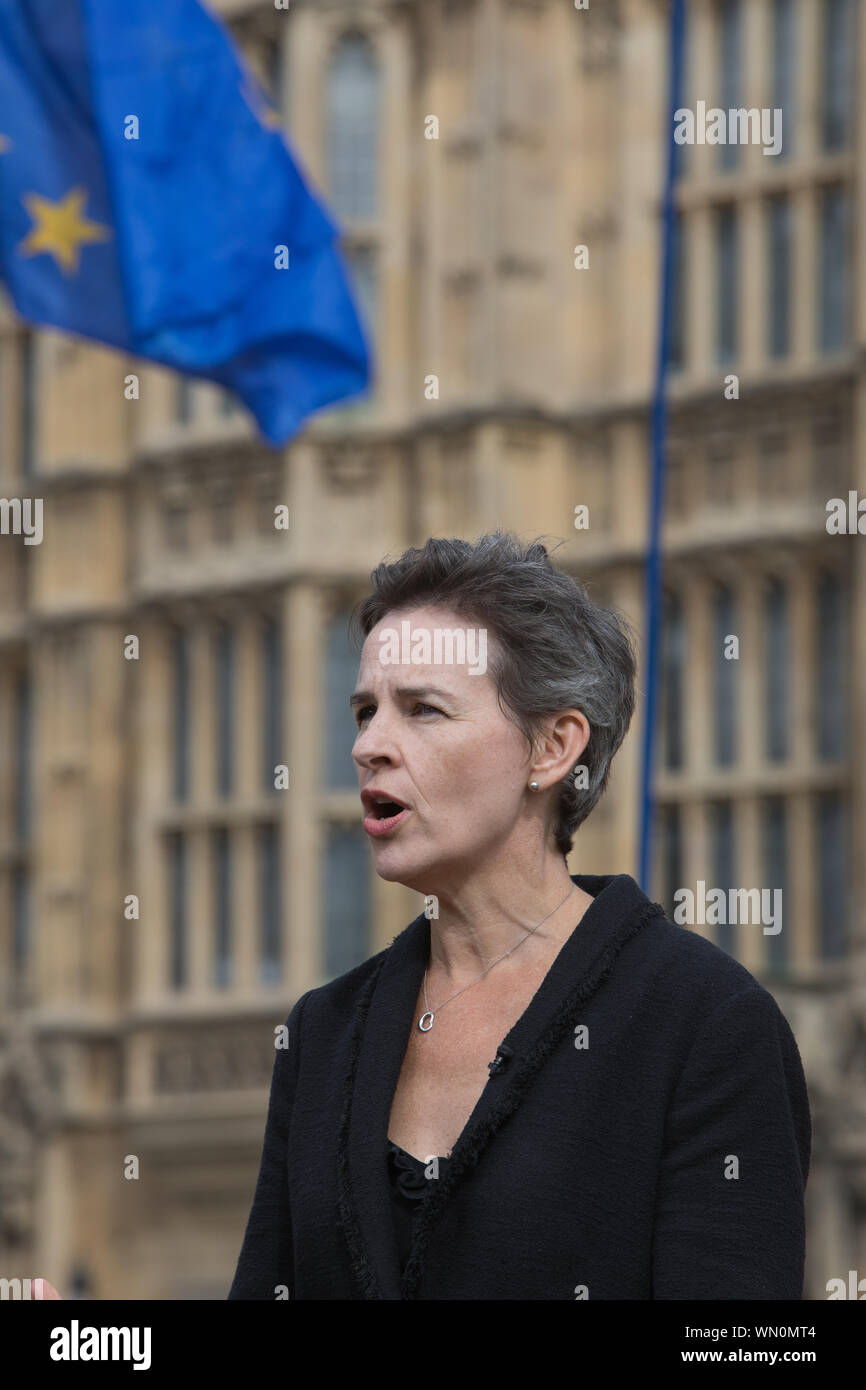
(152,1034)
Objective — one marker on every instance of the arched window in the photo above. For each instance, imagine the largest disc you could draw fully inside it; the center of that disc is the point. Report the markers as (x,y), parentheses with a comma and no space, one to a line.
(353,128)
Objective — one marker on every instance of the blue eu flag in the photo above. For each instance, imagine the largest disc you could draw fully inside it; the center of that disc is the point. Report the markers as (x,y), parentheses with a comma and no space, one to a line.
(148,200)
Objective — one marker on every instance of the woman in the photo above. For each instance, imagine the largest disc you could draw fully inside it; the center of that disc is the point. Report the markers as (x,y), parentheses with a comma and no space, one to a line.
(542,1089)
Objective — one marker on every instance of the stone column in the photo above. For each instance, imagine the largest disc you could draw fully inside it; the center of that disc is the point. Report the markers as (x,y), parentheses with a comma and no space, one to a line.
(151,763)
(752,286)
(857,701)
(699,296)
(804,304)
(200,889)
(799,918)
(695,596)
(304,617)
(248,722)
(701,81)
(809,79)
(110,677)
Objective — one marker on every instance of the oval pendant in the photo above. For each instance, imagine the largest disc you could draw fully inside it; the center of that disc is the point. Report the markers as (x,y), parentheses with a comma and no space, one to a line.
(425,1027)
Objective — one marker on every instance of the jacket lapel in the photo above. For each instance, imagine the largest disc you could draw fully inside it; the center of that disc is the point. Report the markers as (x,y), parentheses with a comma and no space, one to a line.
(384,1018)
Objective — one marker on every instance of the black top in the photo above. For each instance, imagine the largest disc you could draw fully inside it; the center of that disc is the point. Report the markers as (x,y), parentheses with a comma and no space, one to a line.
(410,1182)
(647,1138)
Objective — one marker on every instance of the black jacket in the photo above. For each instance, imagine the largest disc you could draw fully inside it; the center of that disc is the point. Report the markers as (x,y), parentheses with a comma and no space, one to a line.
(665,1160)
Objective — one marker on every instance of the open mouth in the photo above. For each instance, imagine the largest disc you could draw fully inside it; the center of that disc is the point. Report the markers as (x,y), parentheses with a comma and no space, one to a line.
(382,817)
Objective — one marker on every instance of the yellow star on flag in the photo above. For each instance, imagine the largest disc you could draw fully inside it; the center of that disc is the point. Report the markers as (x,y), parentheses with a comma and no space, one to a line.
(60,228)
(5,144)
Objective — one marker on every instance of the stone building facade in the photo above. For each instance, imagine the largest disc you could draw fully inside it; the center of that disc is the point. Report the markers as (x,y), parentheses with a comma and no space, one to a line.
(165,647)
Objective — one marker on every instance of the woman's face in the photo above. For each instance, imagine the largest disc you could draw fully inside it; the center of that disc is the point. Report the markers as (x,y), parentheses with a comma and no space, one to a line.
(434,737)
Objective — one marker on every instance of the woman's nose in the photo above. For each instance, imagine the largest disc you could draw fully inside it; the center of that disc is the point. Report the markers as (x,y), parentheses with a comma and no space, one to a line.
(376,739)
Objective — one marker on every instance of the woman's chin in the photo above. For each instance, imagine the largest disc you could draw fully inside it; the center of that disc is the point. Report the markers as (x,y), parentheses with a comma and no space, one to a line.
(395,864)
(395,867)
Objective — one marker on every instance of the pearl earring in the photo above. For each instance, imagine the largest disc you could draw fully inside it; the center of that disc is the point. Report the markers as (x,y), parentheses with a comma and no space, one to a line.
(534,786)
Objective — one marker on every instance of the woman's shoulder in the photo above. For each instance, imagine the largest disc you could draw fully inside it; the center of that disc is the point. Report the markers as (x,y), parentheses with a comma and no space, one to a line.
(667,960)
(686,965)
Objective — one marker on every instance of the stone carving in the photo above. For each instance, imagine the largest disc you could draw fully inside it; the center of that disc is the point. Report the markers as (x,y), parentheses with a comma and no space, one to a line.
(349,467)
(28,1111)
(220,1059)
(600,36)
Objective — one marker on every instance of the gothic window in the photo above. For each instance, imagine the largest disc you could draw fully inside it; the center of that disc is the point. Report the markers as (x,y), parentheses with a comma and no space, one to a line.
(221,880)
(341,673)
(830,667)
(177,909)
(779,232)
(673,675)
(347,899)
(836,85)
(775,854)
(352,115)
(725,676)
(784,60)
(730,58)
(777,674)
(270,945)
(721,814)
(834,269)
(832,876)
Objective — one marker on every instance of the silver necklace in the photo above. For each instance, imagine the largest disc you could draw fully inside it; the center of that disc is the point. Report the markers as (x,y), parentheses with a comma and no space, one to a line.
(431,1013)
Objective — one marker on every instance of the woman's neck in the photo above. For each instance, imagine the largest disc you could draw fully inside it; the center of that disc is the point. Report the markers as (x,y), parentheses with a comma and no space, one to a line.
(481,920)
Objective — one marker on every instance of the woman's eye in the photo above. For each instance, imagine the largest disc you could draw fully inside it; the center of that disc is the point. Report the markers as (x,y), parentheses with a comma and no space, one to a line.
(364,712)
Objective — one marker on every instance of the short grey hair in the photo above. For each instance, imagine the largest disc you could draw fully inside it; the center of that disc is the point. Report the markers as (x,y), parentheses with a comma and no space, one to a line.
(554,647)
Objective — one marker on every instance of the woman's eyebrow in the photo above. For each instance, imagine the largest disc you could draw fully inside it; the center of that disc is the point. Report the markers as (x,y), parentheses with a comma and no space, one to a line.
(361,697)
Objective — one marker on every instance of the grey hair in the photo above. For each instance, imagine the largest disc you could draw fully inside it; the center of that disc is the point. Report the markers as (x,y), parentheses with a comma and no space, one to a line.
(554,647)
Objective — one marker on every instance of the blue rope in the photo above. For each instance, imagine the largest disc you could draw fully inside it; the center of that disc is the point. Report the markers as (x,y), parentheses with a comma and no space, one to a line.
(653,566)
